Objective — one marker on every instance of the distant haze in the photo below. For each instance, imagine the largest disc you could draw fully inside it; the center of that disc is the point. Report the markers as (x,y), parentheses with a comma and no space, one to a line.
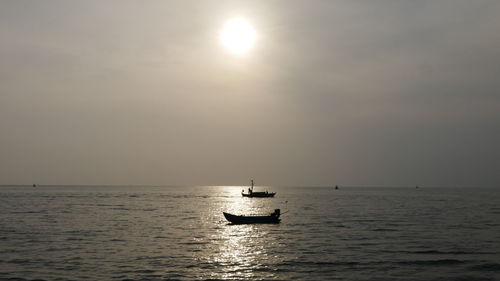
(333,92)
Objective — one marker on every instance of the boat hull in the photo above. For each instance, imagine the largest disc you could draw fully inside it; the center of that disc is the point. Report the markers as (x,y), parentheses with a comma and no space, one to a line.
(258,194)
(250,219)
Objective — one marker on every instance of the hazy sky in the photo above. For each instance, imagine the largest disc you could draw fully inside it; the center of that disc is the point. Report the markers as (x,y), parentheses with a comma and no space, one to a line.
(333,92)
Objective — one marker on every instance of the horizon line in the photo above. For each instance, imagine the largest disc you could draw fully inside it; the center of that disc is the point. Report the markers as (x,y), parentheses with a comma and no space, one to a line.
(225,185)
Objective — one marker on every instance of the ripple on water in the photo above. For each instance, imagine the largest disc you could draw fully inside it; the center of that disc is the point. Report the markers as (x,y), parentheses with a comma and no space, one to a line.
(493,267)
(142,233)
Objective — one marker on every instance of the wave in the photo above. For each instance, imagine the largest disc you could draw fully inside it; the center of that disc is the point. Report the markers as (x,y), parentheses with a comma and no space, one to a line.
(20,279)
(437,252)
(384,229)
(486,267)
(432,262)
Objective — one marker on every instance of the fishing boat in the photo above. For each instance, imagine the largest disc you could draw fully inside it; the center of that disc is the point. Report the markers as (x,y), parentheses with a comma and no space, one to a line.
(272,218)
(252,193)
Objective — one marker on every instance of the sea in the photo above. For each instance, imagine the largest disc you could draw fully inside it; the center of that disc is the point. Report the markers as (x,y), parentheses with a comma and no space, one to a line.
(180,233)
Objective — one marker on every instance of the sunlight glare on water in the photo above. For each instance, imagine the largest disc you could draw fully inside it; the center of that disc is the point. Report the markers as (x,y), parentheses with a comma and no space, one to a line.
(164,233)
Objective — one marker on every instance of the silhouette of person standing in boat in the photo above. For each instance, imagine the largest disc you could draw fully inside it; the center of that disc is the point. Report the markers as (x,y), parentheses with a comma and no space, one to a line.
(276,213)
(250,189)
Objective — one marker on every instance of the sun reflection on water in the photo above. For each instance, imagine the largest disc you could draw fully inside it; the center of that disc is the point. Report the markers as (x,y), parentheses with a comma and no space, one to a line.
(236,255)
(243,251)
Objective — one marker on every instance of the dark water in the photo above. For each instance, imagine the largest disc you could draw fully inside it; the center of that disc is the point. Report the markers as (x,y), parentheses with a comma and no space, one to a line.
(179,233)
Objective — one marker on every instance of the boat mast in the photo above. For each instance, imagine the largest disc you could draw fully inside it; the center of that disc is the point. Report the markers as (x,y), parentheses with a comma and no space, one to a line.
(252,185)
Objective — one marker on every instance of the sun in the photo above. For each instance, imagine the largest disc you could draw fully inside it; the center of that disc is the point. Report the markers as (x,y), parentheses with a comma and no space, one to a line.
(238,36)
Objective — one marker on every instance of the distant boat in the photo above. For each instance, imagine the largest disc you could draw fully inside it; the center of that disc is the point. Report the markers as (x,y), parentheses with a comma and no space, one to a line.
(272,218)
(34,185)
(336,187)
(252,193)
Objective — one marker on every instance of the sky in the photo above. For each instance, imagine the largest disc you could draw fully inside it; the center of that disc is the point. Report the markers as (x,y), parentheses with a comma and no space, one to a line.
(370,93)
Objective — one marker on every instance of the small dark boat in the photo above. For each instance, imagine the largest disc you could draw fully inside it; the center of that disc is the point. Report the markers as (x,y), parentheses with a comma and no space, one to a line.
(336,187)
(272,218)
(252,193)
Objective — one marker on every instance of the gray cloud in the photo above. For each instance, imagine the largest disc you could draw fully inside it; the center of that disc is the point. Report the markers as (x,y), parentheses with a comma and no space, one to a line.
(335,92)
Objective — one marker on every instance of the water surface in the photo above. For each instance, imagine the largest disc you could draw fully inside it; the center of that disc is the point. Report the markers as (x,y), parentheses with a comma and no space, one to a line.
(179,233)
